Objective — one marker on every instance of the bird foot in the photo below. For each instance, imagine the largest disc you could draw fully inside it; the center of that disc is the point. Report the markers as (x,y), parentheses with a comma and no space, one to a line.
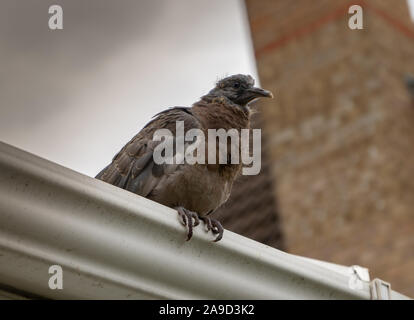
(187,217)
(215,227)
(191,220)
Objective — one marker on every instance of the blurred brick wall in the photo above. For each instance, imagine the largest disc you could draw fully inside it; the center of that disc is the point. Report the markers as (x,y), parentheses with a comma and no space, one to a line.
(341,130)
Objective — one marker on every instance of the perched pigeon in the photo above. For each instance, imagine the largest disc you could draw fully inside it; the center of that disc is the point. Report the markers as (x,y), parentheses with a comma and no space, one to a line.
(194,190)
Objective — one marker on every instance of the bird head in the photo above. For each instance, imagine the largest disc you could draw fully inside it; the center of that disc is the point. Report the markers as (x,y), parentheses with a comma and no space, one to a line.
(239,89)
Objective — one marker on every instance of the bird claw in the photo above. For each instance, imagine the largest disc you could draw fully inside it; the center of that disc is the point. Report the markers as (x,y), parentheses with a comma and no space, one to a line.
(215,227)
(187,217)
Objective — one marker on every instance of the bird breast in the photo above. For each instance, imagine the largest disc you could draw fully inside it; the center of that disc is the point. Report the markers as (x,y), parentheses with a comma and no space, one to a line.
(194,187)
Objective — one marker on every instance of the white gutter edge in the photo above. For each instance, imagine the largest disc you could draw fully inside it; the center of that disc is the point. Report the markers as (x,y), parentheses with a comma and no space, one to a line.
(112,244)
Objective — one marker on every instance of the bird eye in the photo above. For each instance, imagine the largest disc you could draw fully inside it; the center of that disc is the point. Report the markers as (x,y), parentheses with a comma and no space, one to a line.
(236,85)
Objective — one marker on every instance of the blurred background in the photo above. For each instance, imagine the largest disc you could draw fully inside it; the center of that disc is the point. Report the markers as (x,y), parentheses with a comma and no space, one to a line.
(337,179)
(77,95)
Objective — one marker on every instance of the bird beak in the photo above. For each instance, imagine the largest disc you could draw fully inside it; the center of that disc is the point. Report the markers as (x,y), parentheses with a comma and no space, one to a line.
(259,92)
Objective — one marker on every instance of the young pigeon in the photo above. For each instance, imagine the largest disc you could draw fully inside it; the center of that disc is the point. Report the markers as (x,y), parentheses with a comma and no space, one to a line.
(194,190)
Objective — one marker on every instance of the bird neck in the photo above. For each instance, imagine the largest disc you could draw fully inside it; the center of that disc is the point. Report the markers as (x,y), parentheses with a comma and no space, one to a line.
(221,113)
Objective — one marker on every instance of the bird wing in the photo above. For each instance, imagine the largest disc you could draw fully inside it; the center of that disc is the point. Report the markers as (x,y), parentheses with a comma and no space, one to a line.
(133,167)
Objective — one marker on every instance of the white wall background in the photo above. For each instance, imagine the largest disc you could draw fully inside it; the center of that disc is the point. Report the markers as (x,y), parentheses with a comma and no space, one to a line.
(76,96)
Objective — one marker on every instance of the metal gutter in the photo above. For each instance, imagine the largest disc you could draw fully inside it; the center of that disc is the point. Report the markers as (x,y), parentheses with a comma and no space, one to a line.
(112,244)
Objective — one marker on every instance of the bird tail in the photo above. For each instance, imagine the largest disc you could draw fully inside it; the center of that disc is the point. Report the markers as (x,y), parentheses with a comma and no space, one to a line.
(100,174)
